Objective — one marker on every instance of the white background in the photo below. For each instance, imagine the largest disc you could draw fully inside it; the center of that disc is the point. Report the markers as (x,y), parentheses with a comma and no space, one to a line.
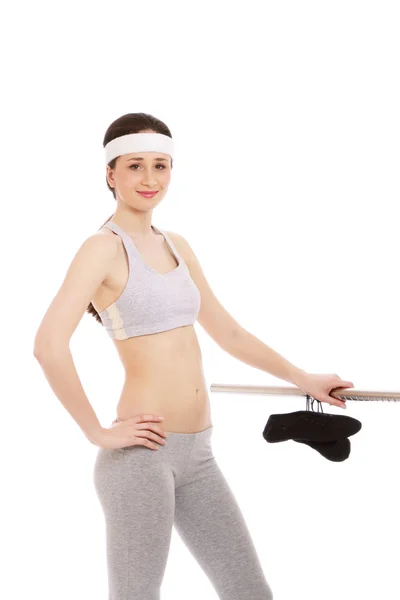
(285,117)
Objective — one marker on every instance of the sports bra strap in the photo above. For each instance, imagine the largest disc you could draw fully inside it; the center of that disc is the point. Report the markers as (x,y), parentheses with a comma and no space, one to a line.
(170,242)
(128,240)
(114,227)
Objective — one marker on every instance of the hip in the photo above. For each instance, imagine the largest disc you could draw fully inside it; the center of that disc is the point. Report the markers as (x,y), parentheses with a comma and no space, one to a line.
(136,469)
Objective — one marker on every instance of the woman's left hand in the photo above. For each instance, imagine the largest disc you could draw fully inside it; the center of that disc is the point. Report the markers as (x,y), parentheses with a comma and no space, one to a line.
(320,386)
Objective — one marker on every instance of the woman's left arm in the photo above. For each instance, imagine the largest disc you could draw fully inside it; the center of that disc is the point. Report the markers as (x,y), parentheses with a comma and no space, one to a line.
(243,345)
(247,348)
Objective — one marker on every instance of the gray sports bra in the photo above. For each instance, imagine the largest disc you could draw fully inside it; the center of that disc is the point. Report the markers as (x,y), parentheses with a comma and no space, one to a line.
(151,302)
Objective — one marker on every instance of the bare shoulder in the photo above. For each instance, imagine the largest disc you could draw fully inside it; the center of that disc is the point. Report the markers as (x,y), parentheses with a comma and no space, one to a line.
(100,240)
(106,233)
(88,269)
(107,239)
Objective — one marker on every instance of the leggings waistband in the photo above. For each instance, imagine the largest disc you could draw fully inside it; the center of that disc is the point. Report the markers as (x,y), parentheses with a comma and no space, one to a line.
(202,433)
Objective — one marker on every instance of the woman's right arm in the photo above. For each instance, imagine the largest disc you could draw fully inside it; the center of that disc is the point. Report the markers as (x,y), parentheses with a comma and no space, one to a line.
(88,269)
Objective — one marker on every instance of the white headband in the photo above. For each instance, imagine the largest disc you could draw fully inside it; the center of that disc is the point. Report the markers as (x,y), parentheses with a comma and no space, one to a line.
(139,142)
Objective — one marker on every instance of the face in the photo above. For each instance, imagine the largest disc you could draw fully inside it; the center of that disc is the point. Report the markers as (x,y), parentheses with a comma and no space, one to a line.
(141,172)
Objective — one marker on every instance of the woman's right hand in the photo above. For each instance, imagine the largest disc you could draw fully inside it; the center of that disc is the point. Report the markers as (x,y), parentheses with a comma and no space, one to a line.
(140,430)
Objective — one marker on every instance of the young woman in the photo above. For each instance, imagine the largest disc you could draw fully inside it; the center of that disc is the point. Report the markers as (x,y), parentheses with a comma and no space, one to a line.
(155,466)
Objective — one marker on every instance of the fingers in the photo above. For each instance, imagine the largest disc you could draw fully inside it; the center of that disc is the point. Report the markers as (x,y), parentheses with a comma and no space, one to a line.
(147,429)
(347,384)
(344,384)
(145,434)
(149,426)
(143,417)
(334,402)
(339,403)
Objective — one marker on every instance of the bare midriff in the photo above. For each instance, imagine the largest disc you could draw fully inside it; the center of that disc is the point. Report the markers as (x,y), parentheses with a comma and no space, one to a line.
(164,376)
(163,371)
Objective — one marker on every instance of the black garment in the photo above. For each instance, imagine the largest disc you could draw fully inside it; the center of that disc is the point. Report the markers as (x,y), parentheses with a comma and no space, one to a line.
(326,433)
(335,451)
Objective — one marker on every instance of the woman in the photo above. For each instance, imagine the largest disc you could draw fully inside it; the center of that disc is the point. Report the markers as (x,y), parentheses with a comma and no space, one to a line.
(146,287)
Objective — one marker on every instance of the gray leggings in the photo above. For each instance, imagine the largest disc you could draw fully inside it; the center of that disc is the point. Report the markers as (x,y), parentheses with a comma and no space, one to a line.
(144,492)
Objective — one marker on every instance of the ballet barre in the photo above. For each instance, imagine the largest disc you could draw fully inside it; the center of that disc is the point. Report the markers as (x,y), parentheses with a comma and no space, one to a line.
(342,394)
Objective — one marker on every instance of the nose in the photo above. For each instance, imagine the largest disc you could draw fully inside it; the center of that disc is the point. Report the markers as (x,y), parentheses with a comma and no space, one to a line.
(149,177)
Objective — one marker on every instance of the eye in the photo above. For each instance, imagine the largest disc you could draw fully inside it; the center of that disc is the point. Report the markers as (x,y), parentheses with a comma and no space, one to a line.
(137,165)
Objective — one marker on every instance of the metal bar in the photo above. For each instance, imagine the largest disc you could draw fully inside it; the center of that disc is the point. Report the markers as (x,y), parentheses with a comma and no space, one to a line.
(342,394)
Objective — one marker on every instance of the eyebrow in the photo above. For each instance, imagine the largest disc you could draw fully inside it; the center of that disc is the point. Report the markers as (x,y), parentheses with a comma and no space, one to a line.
(140,158)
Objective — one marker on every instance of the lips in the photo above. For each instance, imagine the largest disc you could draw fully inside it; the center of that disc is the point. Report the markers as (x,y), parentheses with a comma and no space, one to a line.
(148,194)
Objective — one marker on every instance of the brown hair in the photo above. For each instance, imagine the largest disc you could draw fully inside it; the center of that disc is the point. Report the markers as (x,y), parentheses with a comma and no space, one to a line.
(129,123)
